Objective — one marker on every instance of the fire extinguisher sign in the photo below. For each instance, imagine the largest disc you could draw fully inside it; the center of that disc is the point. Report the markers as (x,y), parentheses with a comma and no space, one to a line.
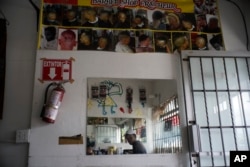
(56,69)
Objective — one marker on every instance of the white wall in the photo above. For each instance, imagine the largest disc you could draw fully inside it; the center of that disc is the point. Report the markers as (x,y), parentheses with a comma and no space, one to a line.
(21,53)
(21,44)
(44,148)
(232,24)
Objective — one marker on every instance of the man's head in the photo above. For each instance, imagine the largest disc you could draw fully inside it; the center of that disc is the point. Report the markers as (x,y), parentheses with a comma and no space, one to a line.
(187,21)
(144,40)
(70,15)
(200,42)
(67,40)
(50,33)
(216,41)
(104,15)
(181,43)
(201,20)
(157,15)
(213,23)
(173,20)
(85,39)
(51,16)
(90,14)
(103,42)
(138,19)
(124,37)
(130,136)
(122,17)
(161,42)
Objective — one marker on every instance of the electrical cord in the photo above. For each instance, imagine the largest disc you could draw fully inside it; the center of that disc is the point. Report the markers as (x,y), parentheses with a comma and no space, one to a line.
(244,21)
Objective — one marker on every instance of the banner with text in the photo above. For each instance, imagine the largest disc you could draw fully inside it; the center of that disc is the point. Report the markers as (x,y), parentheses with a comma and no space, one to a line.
(130,26)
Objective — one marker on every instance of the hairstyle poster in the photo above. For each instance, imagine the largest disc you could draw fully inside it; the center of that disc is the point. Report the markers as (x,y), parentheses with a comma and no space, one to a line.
(130,26)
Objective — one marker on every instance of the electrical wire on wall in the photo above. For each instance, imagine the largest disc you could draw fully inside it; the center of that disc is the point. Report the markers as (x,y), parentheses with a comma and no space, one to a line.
(244,21)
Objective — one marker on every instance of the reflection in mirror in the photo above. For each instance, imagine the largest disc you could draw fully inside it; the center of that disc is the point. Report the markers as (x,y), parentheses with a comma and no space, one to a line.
(148,107)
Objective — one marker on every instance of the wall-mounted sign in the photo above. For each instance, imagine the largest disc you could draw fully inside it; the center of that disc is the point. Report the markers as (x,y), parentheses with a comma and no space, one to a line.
(57,69)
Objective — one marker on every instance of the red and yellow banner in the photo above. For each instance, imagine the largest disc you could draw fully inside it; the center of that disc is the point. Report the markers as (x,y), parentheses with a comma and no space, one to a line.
(130,26)
(177,6)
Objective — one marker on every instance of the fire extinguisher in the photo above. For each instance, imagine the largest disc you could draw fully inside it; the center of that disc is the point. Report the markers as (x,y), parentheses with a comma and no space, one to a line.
(51,107)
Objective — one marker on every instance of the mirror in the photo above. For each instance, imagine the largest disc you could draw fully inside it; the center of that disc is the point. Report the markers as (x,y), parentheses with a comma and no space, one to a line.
(147,106)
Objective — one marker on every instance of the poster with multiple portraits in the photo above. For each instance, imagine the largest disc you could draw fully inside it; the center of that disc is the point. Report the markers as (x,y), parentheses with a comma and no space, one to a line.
(130,26)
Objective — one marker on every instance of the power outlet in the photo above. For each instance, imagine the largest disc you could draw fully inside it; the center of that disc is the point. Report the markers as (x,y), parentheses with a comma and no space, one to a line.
(22,136)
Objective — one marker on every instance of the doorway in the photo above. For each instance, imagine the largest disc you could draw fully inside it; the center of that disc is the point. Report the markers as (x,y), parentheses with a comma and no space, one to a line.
(217,95)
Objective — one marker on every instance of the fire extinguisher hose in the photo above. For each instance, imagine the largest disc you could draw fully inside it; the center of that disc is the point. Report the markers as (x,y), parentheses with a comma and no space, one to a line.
(45,98)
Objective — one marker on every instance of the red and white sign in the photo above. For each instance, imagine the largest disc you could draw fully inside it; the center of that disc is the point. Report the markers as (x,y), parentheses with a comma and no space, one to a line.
(57,69)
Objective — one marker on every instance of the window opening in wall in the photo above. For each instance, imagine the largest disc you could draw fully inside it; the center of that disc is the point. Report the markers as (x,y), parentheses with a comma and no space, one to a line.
(220,88)
(107,134)
(166,134)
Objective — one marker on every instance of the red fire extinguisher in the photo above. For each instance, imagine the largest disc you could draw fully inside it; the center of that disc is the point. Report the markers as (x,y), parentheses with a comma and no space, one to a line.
(51,107)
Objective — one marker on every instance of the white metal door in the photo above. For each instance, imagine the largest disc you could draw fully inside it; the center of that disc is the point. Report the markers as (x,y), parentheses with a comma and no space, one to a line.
(217,96)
